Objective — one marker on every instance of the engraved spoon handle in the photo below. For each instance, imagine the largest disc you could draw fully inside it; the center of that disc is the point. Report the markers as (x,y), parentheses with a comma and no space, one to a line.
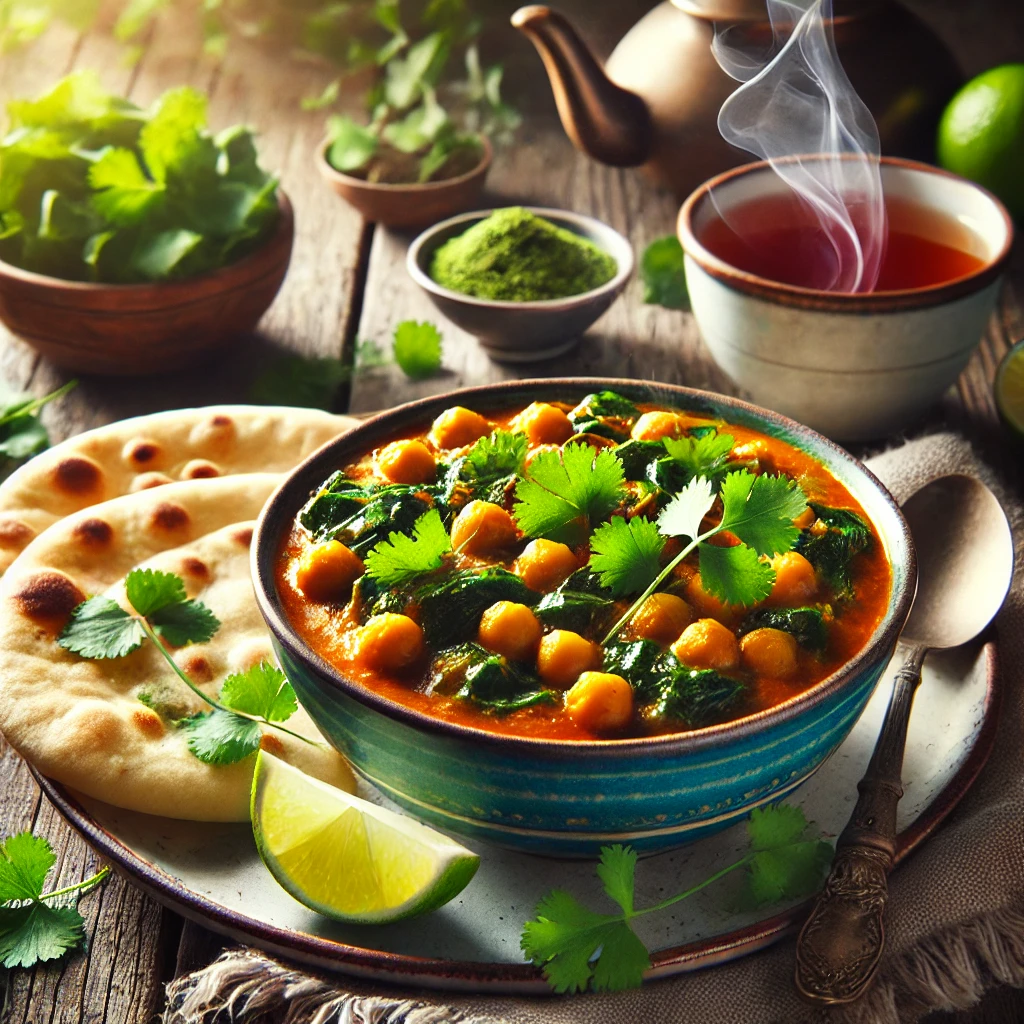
(840,944)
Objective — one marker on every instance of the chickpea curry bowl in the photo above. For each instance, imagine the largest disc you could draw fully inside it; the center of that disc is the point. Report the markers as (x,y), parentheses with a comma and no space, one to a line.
(557,614)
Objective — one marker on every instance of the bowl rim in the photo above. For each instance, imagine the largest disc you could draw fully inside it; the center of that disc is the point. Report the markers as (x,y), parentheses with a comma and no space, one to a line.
(282,506)
(408,188)
(612,286)
(284,230)
(843,302)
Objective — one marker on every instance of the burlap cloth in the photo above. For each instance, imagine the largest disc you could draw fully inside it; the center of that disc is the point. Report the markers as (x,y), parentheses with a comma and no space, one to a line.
(955,921)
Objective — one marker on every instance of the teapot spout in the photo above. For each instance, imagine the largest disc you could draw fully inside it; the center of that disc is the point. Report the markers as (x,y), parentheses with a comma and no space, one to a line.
(604,120)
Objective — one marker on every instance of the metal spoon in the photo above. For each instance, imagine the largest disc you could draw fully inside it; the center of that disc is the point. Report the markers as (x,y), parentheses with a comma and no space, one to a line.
(965,561)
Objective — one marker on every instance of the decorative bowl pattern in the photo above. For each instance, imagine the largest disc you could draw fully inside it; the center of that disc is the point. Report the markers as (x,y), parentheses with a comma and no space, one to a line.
(563,798)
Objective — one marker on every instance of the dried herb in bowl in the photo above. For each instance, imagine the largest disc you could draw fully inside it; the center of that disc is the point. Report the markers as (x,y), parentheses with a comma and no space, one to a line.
(515,256)
(94,188)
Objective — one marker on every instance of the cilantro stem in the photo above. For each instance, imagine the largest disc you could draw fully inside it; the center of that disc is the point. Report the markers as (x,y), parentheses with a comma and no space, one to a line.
(661,577)
(742,862)
(148,630)
(32,406)
(84,886)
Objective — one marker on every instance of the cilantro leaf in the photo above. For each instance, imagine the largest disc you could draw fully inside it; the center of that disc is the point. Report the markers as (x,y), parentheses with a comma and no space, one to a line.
(562,492)
(37,932)
(148,590)
(661,270)
(760,510)
(682,516)
(701,456)
(352,146)
(262,691)
(220,737)
(162,254)
(124,196)
(616,871)
(775,826)
(735,574)
(25,861)
(190,622)
(627,554)
(101,628)
(400,558)
(564,938)
(171,140)
(295,380)
(500,454)
(417,349)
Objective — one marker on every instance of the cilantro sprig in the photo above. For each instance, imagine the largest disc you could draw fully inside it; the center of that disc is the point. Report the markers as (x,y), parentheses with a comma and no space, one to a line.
(22,435)
(577,947)
(562,493)
(400,558)
(757,510)
(32,928)
(100,628)
(417,348)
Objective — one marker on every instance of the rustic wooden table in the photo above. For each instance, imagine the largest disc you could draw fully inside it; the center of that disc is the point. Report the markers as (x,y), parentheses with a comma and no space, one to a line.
(347,282)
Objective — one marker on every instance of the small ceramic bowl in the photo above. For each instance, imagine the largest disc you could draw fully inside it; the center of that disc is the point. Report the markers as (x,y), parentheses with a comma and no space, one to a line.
(523,332)
(134,329)
(408,206)
(854,366)
(569,798)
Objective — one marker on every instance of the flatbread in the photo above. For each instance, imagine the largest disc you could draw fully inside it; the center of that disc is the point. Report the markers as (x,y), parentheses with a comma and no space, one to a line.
(80,721)
(147,451)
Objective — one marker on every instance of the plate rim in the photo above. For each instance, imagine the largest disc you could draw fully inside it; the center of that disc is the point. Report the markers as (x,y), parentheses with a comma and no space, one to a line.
(492,977)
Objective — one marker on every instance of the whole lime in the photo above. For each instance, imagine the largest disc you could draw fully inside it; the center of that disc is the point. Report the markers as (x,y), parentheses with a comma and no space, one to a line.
(981,134)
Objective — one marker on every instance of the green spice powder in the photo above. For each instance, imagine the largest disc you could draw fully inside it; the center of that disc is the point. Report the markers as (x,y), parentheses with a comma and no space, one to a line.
(515,256)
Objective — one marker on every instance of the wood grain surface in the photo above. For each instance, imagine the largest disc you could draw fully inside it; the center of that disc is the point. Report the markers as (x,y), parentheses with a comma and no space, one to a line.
(347,281)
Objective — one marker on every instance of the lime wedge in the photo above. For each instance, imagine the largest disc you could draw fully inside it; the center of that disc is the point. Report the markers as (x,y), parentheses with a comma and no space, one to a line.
(1009,389)
(346,858)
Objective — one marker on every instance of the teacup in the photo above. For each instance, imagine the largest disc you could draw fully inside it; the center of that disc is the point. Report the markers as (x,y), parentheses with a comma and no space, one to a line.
(852,366)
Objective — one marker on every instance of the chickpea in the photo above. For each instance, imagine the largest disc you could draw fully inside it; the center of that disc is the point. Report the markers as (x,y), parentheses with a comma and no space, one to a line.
(564,656)
(544,424)
(756,451)
(707,606)
(544,564)
(510,629)
(769,652)
(600,702)
(407,462)
(458,426)
(482,527)
(389,642)
(327,571)
(707,644)
(653,426)
(795,580)
(662,617)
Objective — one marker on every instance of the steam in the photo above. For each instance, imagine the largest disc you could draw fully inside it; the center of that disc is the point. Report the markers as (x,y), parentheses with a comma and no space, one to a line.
(796,100)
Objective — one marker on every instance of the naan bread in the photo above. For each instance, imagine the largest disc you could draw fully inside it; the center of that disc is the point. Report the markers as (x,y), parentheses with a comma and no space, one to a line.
(136,454)
(81,722)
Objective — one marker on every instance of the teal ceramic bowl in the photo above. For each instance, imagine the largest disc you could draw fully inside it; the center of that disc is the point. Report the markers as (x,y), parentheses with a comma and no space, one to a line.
(567,798)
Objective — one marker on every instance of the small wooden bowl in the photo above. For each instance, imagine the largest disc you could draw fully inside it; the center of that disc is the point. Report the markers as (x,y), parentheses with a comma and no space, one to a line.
(408,206)
(133,329)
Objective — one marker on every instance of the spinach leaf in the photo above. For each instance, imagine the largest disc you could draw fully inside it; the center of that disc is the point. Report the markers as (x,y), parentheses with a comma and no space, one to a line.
(337,500)
(471,673)
(808,625)
(605,414)
(451,608)
(831,551)
(580,604)
(637,457)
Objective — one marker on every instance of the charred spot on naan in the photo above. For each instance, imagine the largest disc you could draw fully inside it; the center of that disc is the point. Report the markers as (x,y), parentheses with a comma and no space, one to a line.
(142,453)
(200,469)
(243,536)
(215,435)
(78,476)
(169,517)
(147,481)
(93,533)
(147,722)
(14,534)
(93,726)
(195,665)
(48,597)
(272,745)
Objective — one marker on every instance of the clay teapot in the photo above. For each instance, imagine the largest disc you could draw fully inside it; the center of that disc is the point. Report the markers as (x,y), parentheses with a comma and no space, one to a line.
(656,101)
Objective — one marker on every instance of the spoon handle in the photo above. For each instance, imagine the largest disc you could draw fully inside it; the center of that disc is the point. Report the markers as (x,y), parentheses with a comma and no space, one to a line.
(840,944)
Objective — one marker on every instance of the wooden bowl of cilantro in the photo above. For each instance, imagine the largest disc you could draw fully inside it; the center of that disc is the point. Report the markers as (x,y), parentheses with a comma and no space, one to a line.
(133,241)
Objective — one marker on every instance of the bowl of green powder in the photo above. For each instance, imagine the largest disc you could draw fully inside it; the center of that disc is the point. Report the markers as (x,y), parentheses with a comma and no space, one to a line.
(526,281)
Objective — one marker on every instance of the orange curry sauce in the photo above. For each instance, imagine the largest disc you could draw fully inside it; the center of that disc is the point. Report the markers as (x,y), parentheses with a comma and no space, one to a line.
(324,627)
